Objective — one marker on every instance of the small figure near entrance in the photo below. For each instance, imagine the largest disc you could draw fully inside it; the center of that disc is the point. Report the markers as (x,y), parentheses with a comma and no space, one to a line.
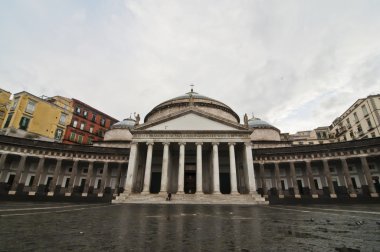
(169,198)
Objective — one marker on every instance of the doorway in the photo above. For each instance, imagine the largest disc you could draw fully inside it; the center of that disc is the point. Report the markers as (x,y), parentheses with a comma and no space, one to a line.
(225,186)
(190,182)
(155,182)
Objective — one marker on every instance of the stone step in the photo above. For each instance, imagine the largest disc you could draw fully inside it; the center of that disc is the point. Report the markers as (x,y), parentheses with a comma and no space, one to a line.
(250,199)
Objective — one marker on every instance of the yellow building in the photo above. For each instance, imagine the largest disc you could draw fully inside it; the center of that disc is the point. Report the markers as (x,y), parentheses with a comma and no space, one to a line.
(4,104)
(40,118)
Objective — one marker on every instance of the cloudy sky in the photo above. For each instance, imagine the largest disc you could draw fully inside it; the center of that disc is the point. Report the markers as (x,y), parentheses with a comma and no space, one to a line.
(295,64)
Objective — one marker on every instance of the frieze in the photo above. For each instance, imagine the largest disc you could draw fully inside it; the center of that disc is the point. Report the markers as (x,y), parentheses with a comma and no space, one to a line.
(188,135)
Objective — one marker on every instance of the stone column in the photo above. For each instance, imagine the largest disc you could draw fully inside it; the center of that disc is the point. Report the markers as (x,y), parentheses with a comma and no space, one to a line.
(20,168)
(233,178)
(346,173)
(132,164)
(118,178)
(148,168)
(310,176)
(181,168)
(215,165)
(249,166)
(294,180)
(199,169)
(2,161)
(278,180)
(326,172)
(53,183)
(165,166)
(103,183)
(368,176)
(37,176)
(263,182)
(90,170)
(74,171)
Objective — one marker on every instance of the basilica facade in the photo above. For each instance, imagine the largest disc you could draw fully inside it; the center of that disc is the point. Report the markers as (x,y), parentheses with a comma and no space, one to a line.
(196,149)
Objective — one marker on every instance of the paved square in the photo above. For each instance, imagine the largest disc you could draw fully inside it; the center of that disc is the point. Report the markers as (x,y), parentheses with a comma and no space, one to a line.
(105,227)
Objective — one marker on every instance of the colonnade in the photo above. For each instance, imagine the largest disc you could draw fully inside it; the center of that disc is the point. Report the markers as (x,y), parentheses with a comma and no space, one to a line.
(215,171)
(57,183)
(326,175)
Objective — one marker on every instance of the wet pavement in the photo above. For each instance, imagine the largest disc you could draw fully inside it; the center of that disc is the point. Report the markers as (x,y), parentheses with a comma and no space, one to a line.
(105,227)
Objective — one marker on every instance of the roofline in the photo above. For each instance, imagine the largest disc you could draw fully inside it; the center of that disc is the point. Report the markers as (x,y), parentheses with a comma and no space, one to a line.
(98,111)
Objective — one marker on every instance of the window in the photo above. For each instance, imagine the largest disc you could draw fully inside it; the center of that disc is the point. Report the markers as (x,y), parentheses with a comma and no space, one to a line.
(80,138)
(300,143)
(311,143)
(62,119)
(85,113)
(316,184)
(24,122)
(82,125)
(30,107)
(58,134)
(91,129)
(369,123)
(100,133)
(85,170)
(93,117)
(8,121)
(352,134)
(72,136)
(348,123)
(15,102)
(356,117)
(360,130)
(30,181)
(103,122)
(90,140)
(364,109)
(77,110)
(75,123)
(373,134)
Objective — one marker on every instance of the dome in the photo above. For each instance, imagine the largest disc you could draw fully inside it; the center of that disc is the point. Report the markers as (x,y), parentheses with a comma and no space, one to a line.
(255,123)
(125,124)
(192,99)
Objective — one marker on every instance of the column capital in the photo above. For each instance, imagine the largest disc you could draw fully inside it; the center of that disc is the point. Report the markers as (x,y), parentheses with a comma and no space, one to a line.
(248,144)
(231,143)
(150,143)
(198,143)
(307,161)
(134,143)
(165,143)
(181,143)
(215,143)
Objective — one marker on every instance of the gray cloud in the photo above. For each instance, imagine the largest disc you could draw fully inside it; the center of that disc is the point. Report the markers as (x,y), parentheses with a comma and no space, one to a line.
(297,64)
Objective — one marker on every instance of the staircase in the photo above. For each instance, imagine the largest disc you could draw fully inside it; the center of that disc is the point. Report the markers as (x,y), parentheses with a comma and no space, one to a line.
(207,199)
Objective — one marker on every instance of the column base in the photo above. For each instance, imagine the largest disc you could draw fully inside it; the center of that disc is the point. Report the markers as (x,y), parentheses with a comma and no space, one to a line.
(216,193)
(100,195)
(333,196)
(234,193)
(12,192)
(68,194)
(281,196)
(145,192)
(297,196)
(84,194)
(374,195)
(314,196)
(181,192)
(199,193)
(50,194)
(32,193)
(353,195)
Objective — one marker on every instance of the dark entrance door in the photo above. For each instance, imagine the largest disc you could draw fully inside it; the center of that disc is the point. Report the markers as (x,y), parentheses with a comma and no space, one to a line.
(82,184)
(190,182)
(155,182)
(225,186)
(48,183)
(10,180)
(300,188)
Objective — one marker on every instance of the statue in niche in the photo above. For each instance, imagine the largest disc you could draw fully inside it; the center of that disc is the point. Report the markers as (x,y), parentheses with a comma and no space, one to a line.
(245,120)
(137,119)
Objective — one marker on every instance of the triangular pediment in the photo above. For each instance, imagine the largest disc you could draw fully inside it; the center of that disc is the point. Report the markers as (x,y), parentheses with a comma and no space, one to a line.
(193,121)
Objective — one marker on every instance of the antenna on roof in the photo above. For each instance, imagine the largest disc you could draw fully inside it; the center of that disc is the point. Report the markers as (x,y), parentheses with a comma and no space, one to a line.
(192,86)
